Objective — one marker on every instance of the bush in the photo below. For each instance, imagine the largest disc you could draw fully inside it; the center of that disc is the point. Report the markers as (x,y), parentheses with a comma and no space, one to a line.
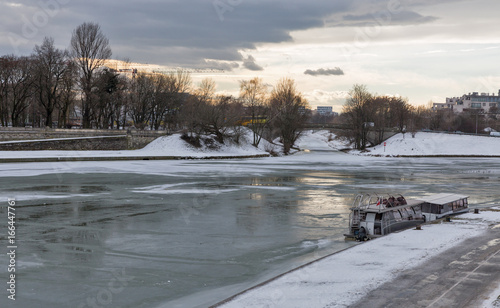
(192,140)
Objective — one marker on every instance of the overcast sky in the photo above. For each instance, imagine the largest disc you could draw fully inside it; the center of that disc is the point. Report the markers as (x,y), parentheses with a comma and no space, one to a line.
(421,49)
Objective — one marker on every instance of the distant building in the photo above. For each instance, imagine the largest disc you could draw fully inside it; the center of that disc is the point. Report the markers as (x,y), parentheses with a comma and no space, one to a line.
(483,102)
(324,110)
(442,106)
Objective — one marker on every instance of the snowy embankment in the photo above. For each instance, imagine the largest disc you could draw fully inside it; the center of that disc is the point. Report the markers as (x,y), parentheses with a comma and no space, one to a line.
(344,278)
(424,144)
(436,144)
(174,146)
(167,146)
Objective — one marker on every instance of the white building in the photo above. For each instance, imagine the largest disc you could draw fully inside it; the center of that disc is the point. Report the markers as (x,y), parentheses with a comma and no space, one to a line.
(473,101)
(324,110)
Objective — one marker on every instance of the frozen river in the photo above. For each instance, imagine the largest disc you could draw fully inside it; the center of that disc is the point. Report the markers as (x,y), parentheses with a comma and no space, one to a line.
(191,233)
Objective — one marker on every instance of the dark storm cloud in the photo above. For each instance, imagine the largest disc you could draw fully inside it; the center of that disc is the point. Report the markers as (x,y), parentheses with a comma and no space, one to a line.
(174,32)
(165,32)
(249,63)
(322,71)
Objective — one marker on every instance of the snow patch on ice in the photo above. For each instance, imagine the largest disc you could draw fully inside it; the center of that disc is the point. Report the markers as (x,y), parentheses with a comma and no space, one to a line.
(31,197)
(269,187)
(186,191)
(321,243)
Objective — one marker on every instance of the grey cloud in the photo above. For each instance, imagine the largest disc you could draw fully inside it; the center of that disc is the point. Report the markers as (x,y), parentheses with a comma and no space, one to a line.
(386,18)
(249,63)
(168,32)
(184,33)
(220,65)
(329,71)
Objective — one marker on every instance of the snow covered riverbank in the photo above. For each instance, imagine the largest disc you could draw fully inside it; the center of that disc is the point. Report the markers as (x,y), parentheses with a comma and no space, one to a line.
(167,146)
(174,146)
(424,144)
(344,278)
(436,144)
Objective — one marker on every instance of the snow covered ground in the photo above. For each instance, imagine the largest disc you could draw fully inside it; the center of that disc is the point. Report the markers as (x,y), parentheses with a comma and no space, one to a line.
(431,144)
(163,146)
(174,146)
(321,140)
(424,144)
(344,278)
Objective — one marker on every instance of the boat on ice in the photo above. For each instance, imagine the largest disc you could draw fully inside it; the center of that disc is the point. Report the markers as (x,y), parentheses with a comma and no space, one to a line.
(376,215)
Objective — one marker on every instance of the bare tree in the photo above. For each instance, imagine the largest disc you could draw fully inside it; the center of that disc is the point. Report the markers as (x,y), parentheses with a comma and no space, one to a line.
(162,87)
(210,114)
(289,112)
(21,88)
(178,86)
(6,71)
(400,112)
(214,117)
(50,66)
(253,94)
(194,111)
(90,48)
(380,115)
(190,116)
(206,90)
(420,118)
(109,91)
(141,98)
(66,100)
(358,112)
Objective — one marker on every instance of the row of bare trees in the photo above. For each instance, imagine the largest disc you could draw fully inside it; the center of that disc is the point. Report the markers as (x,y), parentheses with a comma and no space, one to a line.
(38,84)
(365,112)
(49,79)
(53,85)
(279,113)
(470,121)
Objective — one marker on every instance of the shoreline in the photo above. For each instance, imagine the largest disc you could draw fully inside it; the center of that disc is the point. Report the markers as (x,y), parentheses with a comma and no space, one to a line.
(432,156)
(263,292)
(122,158)
(231,298)
(206,157)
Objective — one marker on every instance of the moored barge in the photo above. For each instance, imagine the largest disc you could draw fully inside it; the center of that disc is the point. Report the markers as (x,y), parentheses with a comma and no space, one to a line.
(376,215)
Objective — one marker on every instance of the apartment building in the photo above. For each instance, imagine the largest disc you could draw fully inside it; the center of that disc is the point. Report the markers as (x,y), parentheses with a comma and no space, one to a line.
(475,101)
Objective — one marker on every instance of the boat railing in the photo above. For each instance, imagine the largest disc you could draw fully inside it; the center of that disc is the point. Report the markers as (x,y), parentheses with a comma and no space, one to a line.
(366,201)
(376,201)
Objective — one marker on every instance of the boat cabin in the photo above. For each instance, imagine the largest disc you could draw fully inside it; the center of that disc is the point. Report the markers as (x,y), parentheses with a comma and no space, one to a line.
(441,205)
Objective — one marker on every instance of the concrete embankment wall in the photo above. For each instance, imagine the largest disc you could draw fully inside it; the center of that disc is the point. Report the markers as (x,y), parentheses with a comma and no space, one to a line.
(36,139)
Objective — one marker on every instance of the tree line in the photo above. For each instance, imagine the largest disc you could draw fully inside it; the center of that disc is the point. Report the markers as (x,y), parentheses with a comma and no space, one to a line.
(366,113)
(54,87)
